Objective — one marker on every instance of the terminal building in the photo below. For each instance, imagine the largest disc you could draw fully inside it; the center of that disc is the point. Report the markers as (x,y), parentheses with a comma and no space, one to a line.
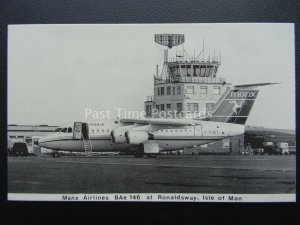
(28,133)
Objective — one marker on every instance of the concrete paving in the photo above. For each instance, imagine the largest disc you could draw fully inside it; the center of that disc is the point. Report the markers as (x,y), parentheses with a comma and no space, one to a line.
(165,174)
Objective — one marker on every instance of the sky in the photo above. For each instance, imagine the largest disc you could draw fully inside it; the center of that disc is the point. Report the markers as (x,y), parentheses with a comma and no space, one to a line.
(56,72)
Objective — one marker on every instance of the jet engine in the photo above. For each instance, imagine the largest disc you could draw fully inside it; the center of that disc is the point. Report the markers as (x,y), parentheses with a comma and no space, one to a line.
(136,137)
(118,134)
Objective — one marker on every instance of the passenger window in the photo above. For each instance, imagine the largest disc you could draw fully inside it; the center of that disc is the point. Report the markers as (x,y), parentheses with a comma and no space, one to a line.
(69,129)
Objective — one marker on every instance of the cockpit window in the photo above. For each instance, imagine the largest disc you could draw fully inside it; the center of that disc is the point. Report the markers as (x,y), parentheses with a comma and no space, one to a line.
(64,130)
(57,129)
(69,129)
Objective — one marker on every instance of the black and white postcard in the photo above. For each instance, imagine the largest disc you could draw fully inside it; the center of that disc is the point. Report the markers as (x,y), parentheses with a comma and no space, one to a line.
(151,112)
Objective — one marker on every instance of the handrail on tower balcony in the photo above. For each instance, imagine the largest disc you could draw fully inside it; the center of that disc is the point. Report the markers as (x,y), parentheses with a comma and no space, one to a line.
(215,80)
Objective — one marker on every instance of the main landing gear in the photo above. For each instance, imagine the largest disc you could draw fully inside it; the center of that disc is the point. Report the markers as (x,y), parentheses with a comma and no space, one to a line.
(141,154)
(151,155)
(150,150)
(55,154)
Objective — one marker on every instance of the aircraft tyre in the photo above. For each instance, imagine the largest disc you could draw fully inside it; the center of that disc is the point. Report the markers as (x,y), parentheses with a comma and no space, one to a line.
(151,155)
(55,155)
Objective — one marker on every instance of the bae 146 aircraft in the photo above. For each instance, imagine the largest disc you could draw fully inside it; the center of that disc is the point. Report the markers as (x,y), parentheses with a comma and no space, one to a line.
(150,135)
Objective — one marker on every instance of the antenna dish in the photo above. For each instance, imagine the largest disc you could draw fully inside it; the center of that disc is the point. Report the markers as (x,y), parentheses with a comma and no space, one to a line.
(169,40)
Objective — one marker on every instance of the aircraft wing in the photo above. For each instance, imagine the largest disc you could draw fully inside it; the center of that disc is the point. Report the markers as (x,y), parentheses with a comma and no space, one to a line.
(154,121)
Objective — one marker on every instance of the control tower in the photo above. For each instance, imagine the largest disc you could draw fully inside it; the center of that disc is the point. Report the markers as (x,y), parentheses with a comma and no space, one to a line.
(188,86)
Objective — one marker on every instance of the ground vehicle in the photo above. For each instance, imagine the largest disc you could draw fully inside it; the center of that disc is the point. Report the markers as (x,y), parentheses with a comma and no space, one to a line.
(258,151)
(269,148)
(18,148)
(292,150)
(283,148)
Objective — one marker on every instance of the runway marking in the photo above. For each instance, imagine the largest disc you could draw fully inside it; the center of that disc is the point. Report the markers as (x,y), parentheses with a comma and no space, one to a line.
(174,166)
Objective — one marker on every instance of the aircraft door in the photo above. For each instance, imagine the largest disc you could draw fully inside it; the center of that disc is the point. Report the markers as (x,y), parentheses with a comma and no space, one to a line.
(77,130)
(198,130)
(85,131)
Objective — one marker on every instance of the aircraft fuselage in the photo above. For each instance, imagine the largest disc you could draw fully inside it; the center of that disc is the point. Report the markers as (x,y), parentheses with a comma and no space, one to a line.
(168,137)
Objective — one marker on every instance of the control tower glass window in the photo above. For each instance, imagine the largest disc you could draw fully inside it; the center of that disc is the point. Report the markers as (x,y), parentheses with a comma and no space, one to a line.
(168,90)
(215,71)
(209,71)
(190,90)
(202,71)
(196,71)
(203,89)
(183,71)
(189,70)
(216,90)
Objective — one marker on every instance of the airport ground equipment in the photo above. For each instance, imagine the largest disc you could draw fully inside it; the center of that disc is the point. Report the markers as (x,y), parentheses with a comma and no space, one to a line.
(292,150)
(283,148)
(258,151)
(86,139)
(269,148)
(87,146)
(18,148)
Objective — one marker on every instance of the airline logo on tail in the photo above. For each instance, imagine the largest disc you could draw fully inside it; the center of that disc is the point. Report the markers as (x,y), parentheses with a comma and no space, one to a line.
(242,94)
(237,99)
(235,107)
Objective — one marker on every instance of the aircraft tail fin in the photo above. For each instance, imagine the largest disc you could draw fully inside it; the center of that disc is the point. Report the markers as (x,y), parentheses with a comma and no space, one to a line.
(235,104)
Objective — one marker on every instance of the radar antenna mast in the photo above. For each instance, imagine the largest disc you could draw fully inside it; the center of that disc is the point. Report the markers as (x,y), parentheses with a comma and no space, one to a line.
(169,40)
